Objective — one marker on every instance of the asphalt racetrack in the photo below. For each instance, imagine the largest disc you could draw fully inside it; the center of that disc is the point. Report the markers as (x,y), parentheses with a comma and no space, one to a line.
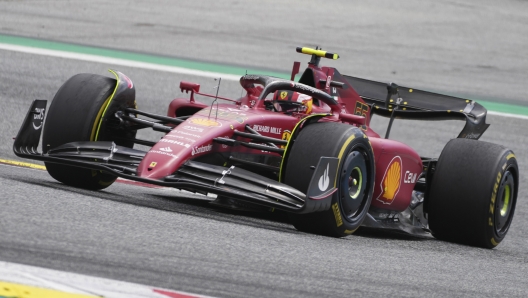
(176,240)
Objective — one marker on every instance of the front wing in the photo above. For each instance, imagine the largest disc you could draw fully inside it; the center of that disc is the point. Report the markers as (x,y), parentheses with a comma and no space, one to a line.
(193,176)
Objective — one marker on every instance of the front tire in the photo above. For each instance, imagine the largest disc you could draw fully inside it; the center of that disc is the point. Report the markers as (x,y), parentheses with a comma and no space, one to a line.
(74,115)
(473,193)
(355,179)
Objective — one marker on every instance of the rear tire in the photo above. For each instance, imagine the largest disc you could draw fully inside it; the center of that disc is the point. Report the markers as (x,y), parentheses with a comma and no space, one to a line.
(355,181)
(473,193)
(74,115)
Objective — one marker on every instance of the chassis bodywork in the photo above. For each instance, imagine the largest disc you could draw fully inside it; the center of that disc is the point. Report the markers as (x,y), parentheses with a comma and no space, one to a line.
(240,149)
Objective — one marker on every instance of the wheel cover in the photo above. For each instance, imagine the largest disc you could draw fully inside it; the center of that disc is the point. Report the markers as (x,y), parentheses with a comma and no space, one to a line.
(353,184)
(505,202)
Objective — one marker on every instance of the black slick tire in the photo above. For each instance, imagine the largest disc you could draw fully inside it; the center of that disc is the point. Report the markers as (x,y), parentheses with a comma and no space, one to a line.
(74,115)
(355,180)
(473,193)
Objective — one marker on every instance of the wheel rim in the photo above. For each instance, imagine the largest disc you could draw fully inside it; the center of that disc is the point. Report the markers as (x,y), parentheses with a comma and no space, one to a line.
(504,203)
(353,184)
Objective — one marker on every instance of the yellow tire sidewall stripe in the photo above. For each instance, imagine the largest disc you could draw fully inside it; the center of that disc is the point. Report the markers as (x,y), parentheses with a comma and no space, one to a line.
(341,152)
(104,108)
(291,135)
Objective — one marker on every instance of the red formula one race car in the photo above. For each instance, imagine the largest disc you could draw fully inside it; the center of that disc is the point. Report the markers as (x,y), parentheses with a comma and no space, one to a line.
(304,147)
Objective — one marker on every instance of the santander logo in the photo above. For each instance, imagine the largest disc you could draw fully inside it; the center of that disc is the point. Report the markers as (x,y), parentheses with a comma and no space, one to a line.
(202,149)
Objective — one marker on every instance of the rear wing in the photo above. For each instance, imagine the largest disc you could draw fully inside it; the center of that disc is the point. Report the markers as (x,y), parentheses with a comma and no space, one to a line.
(391,100)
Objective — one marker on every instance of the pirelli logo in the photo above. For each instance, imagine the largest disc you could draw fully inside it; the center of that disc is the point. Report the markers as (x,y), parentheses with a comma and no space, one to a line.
(337,214)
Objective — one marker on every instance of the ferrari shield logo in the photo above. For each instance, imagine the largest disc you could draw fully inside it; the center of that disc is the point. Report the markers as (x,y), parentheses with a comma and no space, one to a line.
(286,135)
(283,94)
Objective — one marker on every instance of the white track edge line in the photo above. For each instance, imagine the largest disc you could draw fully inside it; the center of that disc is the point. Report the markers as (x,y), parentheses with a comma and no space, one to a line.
(153,66)
(509,115)
(117,61)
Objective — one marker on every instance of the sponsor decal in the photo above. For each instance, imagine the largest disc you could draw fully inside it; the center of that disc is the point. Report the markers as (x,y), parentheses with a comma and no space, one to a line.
(153,164)
(390,184)
(472,136)
(202,149)
(252,102)
(163,153)
(180,137)
(38,118)
(227,114)
(306,88)
(337,215)
(324,180)
(361,109)
(266,151)
(205,122)
(283,94)
(186,133)
(328,80)
(238,117)
(267,129)
(409,177)
(166,149)
(175,142)
(193,128)
(494,196)
(348,232)
(494,242)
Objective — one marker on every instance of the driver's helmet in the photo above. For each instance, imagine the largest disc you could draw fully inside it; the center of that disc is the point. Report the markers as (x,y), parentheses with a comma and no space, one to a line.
(290,101)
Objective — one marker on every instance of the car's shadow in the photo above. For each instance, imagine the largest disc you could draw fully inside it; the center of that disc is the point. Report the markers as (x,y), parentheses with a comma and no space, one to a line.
(201,206)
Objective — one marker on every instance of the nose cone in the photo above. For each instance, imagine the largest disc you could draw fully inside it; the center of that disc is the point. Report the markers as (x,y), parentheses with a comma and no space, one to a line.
(162,159)
(190,139)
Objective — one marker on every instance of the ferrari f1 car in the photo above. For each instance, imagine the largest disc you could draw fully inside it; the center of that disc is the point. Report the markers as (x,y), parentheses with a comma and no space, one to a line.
(304,147)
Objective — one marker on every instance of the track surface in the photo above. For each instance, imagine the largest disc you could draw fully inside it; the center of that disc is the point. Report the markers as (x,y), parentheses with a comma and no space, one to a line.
(176,240)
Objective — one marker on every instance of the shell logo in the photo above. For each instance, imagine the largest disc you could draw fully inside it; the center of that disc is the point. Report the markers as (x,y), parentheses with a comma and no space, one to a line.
(390,184)
(205,122)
